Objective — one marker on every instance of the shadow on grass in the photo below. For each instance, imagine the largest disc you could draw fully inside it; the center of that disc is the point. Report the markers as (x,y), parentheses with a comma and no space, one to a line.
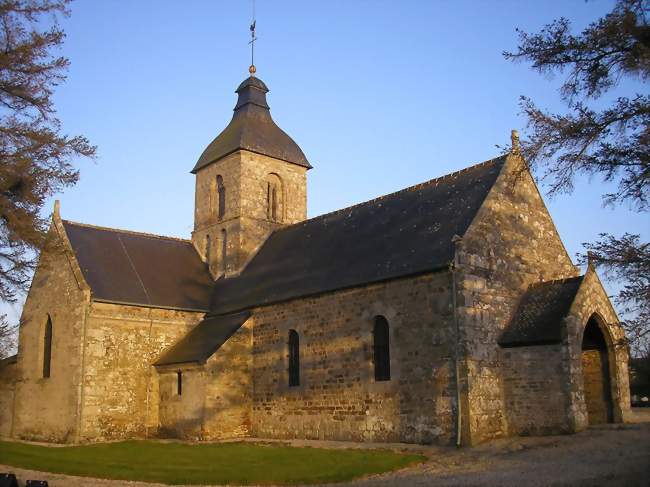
(216,463)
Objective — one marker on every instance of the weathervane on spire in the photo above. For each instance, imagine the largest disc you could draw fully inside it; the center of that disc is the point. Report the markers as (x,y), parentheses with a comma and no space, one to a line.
(252,69)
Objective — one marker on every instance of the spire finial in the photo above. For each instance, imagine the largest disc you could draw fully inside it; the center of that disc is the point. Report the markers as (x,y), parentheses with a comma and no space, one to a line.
(252,69)
(514,139)
(591,258)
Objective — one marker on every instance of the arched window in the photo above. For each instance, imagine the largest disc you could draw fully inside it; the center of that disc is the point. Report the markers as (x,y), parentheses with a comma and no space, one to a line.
(294,358)
(221,192)
(179,382)
(274,195)
(381,349)
(47,348)
(224,249)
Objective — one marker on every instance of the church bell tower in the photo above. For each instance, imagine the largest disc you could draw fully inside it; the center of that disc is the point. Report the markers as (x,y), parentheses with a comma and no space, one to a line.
(250,181)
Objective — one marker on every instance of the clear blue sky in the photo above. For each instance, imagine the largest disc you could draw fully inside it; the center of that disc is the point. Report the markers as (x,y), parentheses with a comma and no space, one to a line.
(379,94)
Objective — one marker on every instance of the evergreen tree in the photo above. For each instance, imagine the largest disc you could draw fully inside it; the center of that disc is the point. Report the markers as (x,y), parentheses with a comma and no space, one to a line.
(611,143)
(35,155)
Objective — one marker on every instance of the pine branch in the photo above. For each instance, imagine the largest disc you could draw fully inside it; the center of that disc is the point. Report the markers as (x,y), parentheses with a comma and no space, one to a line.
(36,158)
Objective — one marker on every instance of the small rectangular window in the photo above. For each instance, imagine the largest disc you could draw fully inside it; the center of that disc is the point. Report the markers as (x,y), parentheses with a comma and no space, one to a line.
(179,382)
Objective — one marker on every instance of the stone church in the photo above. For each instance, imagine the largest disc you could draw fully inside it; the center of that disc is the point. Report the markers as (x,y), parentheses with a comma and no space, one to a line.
(447,312)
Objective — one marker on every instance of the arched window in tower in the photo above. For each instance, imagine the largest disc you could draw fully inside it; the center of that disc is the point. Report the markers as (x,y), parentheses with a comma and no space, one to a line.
(381,349)
(224,249)
(221,196)
(294,359)
(47,348)
(274,198)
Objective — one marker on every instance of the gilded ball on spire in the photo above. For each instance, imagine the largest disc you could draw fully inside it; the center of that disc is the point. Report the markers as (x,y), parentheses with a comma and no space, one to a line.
(252,70)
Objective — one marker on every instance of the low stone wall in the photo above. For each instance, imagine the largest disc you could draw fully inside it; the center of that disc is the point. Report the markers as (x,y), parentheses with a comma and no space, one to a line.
(535,390)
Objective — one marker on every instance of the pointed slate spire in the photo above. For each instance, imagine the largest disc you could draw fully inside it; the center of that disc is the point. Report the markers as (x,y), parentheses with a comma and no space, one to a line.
(252,129)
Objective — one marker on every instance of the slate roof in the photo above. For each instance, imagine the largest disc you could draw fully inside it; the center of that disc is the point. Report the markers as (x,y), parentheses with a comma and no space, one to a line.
(203,340)
(252,129)
(538,319)
(13,359)
(140,269)
(404,233)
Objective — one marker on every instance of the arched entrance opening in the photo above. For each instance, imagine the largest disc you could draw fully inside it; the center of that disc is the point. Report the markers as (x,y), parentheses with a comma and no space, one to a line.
(596,374)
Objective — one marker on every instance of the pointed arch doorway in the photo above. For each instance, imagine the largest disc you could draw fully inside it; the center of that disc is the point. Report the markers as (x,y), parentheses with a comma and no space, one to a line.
(596,374)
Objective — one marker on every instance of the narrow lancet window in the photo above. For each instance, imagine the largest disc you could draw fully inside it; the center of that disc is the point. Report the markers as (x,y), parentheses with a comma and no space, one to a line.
(381,349)
(179,383)
(47,348)
(221,192)
(274,195)
(294,359)
(208,244)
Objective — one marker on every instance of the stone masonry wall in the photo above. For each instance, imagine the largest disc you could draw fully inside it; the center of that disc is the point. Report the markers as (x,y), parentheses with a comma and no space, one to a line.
(229,388)
(511,243)
(592,300)
(47,409)
(206,221)
(254,176)
(120,394)
(338,397)
(216,398)
(8,374)
(181,416)
(535,390)
(245,175)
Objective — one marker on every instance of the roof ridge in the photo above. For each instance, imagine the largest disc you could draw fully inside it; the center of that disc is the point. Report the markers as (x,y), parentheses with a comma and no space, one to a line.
(403,190)
(562,280)
(131,232)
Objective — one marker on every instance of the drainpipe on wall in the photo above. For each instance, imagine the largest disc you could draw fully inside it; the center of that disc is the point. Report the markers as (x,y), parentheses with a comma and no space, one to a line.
(453,265)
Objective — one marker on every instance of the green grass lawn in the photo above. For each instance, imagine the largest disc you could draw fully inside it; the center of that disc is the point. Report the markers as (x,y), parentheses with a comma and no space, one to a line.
(216,463)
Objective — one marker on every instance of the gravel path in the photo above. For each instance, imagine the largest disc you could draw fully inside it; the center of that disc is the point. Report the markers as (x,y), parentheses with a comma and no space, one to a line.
(612,455)
(608,456)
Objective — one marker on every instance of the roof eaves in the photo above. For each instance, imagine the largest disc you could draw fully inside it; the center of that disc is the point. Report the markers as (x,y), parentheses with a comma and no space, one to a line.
(200,166)
(12,359)
(432,270)
(148,305)
(173,365)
